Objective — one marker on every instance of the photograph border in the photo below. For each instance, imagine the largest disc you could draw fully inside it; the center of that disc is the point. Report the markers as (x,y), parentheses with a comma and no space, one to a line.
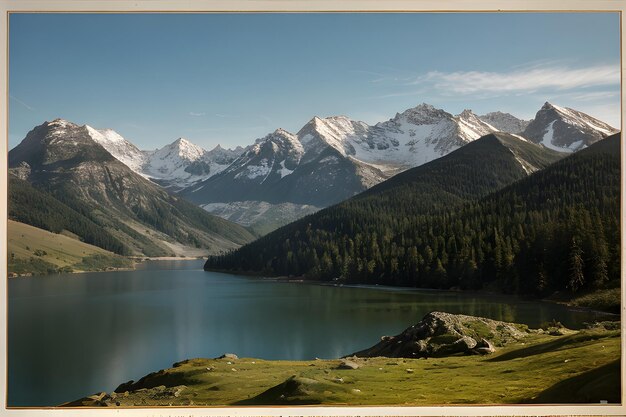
(294,6)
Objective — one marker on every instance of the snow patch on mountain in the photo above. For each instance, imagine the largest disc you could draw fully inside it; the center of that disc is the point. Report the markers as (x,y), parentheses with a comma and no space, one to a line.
(260,215)
(548,136)
(120,148)
(254,171)
(284,171)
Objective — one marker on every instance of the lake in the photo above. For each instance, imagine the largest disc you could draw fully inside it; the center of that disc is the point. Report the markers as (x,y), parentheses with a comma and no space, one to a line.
(74,335)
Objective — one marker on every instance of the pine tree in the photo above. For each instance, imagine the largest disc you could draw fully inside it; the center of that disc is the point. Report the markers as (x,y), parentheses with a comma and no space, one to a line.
(576,264)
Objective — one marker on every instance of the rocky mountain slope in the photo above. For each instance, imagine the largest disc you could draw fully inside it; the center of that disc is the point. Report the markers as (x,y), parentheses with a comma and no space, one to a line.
(63,160)
(505,122)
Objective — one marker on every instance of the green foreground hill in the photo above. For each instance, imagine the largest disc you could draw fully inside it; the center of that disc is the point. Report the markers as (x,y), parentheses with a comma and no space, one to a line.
(553,366)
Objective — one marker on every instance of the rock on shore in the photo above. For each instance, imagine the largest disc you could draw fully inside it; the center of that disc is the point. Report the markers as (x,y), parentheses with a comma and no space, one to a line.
(443,334)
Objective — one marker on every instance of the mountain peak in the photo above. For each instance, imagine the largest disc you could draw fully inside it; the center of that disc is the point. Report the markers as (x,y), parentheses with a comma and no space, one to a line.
(181,142)
(60,123)
(564,129)
(424,114)
(282,132)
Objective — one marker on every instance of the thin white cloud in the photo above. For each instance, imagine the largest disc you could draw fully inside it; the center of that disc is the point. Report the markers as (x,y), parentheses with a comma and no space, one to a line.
(194,114)
(596,95)
(527,80)
(21,102)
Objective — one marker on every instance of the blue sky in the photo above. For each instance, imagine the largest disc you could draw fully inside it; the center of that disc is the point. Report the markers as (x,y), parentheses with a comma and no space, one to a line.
(232,78)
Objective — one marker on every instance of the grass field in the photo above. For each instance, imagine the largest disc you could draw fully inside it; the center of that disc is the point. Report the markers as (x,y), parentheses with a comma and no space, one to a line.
(581,367)
(36,251)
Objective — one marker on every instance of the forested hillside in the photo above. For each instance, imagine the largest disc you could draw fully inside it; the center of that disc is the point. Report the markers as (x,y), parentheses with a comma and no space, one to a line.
(556,229)
(27,204)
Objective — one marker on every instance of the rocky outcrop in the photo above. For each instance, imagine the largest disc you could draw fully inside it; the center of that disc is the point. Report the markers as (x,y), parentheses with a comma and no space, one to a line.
(443,334)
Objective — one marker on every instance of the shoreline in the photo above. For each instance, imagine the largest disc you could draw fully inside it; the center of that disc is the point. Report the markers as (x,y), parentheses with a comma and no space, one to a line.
(302,280)
(133,259)
(170,258)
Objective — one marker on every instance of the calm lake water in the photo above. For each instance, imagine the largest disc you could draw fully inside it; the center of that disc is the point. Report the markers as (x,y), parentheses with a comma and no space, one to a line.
(76,334)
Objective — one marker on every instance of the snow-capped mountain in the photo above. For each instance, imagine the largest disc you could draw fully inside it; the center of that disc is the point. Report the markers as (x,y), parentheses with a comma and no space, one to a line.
(175,166)
(334,158)
(565,130)
(253,175)
(416,136)
(331,159)
(182,163)
(505,122)
(120,148)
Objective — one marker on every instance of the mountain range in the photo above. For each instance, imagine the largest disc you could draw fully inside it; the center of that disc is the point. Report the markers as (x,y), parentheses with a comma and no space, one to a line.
(284,175)
(500,213)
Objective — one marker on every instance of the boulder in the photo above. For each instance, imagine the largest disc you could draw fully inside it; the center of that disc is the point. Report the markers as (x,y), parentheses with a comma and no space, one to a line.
(443,334)
(228,356)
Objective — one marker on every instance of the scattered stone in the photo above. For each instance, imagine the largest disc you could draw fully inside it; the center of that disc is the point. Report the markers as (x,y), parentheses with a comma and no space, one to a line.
(229,363)
(346,364)
(228,356)
(98,397)
(178,391)
(233,369)
(409,371)
(210,368)
(356,390)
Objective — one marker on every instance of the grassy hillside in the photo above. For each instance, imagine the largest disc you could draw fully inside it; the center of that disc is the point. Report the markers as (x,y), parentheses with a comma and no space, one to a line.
(30,205)
(578,367)
(37,251)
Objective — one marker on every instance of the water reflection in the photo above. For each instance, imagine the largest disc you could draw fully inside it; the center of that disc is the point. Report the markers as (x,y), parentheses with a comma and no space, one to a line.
(74,335)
